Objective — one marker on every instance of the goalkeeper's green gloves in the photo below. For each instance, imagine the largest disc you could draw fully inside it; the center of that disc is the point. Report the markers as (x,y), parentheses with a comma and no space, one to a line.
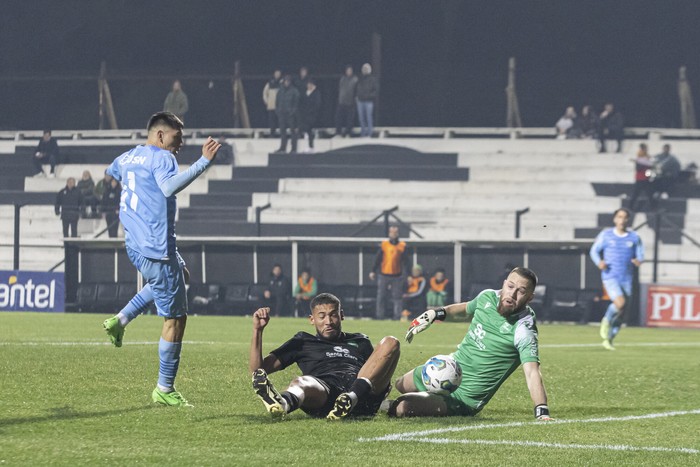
(424,321)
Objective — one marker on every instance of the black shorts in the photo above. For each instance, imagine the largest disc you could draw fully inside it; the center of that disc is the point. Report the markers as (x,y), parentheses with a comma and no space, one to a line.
(335,386)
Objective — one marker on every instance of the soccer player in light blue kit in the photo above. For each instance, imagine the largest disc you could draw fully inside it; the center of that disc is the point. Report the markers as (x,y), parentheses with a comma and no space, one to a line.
(150,180)
(616,251)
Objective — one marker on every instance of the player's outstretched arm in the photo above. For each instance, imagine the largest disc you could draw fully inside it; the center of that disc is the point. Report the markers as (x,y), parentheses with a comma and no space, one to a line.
(210,148)
(177,183)
(535,385)
(423,322)
(261,318)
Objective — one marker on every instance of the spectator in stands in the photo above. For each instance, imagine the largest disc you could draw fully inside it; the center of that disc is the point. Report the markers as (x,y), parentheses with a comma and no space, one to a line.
(665,173)
(87,188)
(270,99)
(437,293)
(566,129)
(301,80)
(68,204)
(588,122)
(287,108)
(46,152)
(176,102)
(345,113)
(642,172)
(109,205)
(305,289)
(367,92)
(388,270)
(611,126)
(278,293)
(101,186)
(414,298)
(309,109)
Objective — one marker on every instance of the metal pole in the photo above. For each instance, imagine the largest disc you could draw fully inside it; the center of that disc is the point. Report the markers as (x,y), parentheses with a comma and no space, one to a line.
(657,235)
(16,243)
(258,210)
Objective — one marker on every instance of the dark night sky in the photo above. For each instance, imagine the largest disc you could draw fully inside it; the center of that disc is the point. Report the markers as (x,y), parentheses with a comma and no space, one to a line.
(444,62)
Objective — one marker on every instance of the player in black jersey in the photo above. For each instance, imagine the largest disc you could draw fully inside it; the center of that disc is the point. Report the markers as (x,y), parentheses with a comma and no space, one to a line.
(341,373)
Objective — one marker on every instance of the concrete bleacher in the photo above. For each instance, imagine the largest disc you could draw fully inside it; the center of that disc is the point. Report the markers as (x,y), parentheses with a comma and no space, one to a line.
(446,189)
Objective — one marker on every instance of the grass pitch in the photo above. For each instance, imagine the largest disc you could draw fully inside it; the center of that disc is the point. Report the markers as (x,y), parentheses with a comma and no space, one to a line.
(67,398)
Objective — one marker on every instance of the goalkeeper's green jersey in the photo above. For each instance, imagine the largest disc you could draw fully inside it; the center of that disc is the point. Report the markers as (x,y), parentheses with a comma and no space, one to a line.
(492,349)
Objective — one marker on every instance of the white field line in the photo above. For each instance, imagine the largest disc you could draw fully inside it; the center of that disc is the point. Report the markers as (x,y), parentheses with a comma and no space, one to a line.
(416,435)
(96,343)
(544,346)
(609,447)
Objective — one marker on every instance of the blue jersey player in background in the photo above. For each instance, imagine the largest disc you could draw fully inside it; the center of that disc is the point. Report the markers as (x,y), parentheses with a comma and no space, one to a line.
(616,251)
(150,180)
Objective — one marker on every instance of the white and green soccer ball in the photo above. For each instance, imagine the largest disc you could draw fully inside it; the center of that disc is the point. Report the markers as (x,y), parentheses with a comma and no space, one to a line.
(441,374)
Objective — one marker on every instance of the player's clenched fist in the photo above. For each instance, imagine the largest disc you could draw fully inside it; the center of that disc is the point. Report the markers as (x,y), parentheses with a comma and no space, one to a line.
(210,148)
(260,318)
(423,322)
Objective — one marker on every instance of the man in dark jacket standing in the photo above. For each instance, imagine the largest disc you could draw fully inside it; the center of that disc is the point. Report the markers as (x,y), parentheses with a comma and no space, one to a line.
(367,92)
(309,109)
(68,203)
(345,113)
(287,108)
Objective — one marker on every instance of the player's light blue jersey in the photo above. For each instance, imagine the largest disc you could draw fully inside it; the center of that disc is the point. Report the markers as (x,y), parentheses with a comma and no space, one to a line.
(150,179)
(618,252)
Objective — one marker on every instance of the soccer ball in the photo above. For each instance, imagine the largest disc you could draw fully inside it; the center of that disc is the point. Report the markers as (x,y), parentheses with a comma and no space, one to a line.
(441,374)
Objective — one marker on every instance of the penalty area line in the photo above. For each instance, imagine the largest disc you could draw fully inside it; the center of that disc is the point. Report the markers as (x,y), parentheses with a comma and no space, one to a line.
(414,436)
(539,444)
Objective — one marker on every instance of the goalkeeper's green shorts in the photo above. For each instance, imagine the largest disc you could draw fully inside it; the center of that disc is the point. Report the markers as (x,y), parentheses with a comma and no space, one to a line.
(457,403)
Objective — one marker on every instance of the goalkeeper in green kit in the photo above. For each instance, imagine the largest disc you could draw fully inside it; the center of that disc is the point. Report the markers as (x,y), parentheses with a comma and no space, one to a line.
(502,336)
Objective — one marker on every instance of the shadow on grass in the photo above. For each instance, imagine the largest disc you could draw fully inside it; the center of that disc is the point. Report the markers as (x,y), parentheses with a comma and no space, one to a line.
(67,413)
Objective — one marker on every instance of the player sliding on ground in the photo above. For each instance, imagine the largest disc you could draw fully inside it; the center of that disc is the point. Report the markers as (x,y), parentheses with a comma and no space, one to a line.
(341,374)
(150,180)
(501,336)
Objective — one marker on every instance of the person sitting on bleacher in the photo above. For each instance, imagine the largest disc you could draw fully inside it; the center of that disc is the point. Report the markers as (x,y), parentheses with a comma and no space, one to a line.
(665,173)
(437,293)
(305,289)
(87,188)
(46,152)
(278,293)
(414,297)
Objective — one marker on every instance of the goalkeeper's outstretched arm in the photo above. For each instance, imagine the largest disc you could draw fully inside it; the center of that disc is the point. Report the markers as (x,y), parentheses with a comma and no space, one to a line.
(423,322)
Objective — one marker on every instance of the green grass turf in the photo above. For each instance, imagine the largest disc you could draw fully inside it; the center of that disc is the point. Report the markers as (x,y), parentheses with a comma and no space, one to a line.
(66,399)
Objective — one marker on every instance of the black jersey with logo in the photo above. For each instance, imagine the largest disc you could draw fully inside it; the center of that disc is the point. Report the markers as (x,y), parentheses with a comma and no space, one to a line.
(316,356)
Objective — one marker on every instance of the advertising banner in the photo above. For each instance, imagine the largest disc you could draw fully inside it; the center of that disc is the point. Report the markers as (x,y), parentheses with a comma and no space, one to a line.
(32,291)
(671,306)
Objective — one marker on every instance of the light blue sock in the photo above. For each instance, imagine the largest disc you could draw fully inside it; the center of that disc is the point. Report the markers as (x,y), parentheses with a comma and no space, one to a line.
(169,361)
(611,313)
(614,329)
(136,305)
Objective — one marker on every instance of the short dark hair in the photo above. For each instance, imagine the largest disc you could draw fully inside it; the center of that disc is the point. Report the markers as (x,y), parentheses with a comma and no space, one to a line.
(306,270)
(625,210)
(168,119)
(528,274)
(47,131)
(324,299)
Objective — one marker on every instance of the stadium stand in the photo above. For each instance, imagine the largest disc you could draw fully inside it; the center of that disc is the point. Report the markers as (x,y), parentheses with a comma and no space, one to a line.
(447,186)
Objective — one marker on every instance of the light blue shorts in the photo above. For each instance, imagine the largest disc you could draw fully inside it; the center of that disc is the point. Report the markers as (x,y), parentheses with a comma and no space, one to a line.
(167,282)
(616,288)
